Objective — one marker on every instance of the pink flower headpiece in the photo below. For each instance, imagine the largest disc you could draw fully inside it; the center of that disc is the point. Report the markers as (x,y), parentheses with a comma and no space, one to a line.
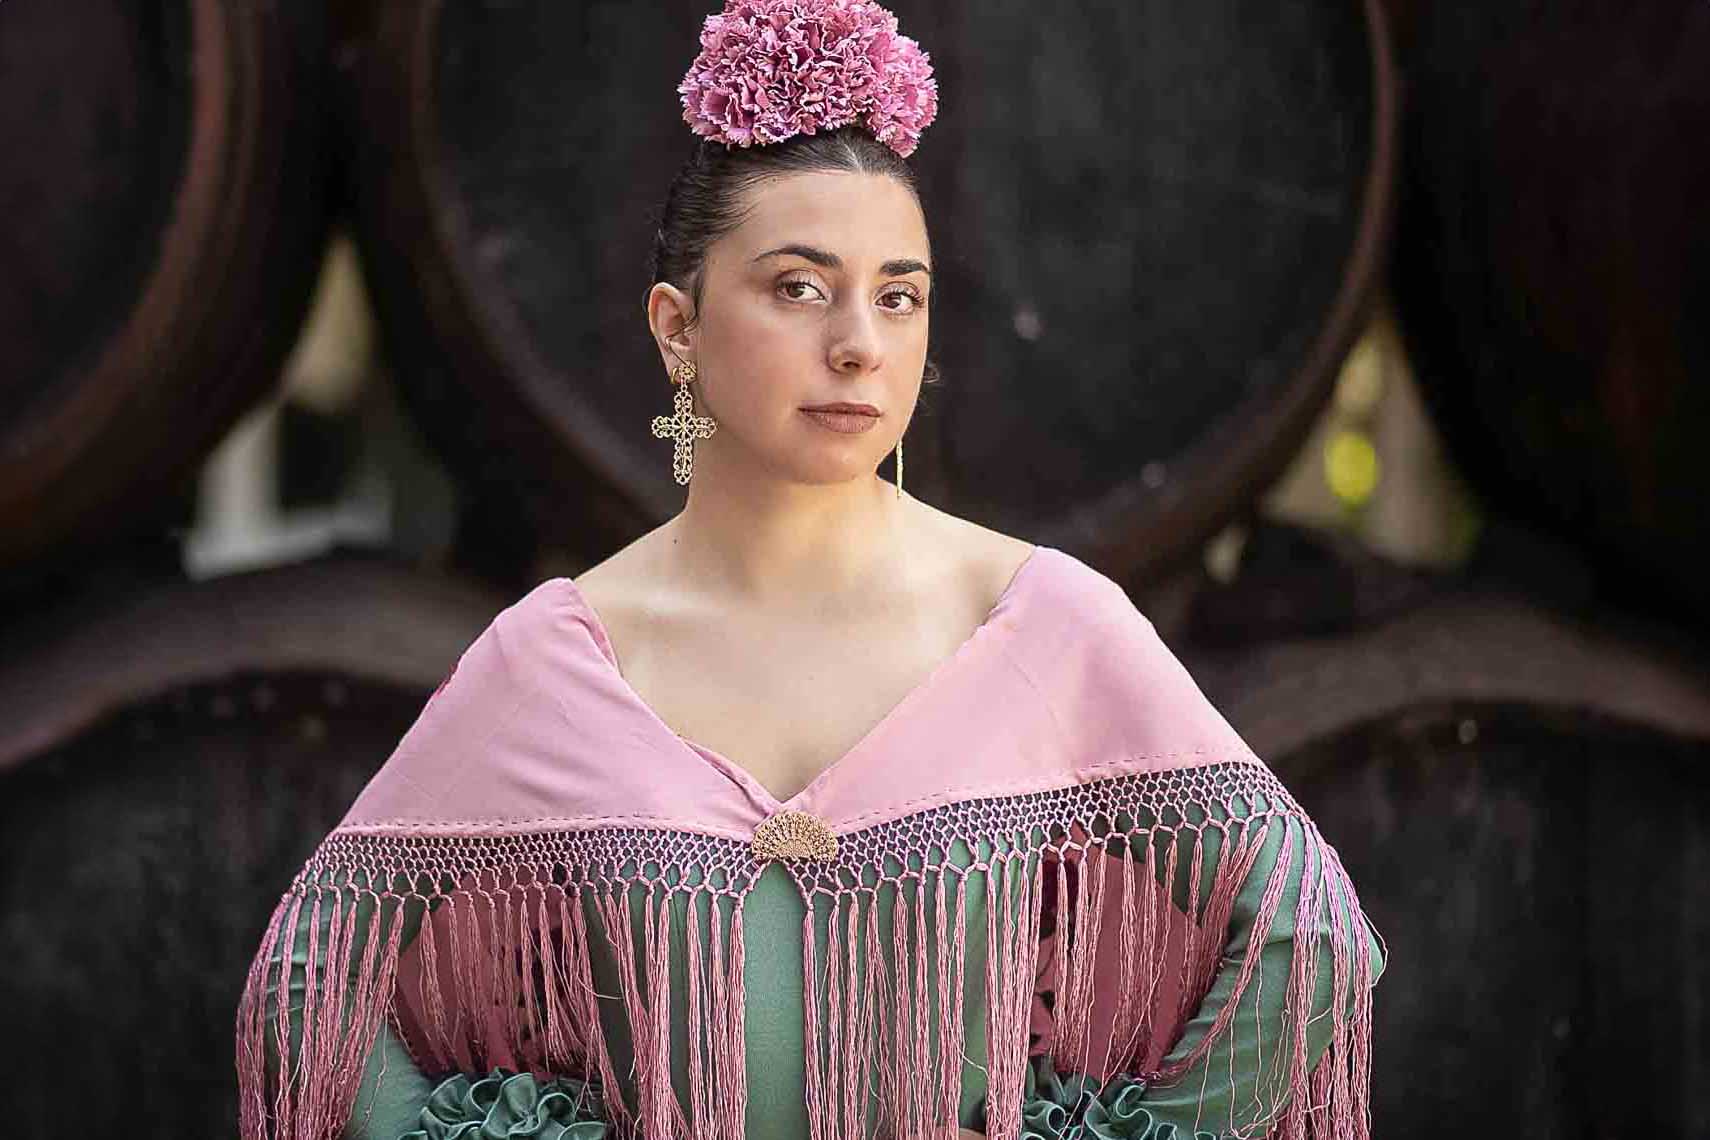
(770,69)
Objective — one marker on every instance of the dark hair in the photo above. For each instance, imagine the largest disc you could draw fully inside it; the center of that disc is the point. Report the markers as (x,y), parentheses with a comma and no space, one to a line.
(704,202)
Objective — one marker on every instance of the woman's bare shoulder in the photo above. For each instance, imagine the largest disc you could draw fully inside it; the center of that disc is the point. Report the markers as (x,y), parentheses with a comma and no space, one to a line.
(957,556)
(1074,588)
(622,584)
(987,558)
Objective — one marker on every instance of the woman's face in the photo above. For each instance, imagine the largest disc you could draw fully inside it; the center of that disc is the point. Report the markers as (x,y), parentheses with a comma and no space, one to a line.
(820,295)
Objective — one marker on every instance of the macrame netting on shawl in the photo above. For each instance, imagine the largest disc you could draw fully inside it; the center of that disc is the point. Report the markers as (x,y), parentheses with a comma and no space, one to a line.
(537,947)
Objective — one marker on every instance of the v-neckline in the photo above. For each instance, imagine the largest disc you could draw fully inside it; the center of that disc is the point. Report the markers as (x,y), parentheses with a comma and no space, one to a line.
(742,775)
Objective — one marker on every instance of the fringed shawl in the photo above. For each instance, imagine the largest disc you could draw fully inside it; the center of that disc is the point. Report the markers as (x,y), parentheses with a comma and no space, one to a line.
(543,867)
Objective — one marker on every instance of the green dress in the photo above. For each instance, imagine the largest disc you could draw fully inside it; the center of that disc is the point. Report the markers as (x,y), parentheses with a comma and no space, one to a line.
(396,1098)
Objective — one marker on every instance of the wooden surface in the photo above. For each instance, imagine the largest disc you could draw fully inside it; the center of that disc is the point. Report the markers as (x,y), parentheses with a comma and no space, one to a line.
(1552,248)
(169,764)
(162,205)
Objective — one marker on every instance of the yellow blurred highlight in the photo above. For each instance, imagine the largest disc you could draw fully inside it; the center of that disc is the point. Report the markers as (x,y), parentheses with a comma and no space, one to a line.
(1351,466)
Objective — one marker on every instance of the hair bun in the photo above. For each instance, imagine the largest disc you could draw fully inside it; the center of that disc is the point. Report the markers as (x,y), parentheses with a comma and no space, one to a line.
(771,69)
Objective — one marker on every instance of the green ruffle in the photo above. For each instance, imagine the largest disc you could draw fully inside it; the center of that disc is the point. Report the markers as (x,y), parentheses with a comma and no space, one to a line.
(503,1105)
(1081,1107)
(506,1104)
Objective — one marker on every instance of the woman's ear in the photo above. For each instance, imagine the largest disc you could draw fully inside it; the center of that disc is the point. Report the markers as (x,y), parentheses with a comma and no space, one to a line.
(669,309)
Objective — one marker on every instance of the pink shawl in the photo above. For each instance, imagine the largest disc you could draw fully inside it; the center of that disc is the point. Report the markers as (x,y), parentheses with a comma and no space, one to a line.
(535,789)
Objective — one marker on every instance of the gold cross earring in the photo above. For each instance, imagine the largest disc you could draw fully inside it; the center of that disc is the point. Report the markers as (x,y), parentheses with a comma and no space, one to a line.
(682,424)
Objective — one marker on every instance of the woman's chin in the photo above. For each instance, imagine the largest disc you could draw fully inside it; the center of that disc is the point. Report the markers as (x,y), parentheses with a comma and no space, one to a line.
(824,471)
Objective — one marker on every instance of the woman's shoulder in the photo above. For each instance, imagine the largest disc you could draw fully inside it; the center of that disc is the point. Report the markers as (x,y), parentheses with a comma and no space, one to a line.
(1062,584)
(983,559)
(989,559)
(959,557)
(620,592)
(628,564)
(1068,603)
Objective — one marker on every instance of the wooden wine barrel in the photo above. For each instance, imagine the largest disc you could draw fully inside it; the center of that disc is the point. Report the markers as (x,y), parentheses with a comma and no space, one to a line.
(167,761)
(1153,234)
(162,207)
(1552,249)
(1523,800)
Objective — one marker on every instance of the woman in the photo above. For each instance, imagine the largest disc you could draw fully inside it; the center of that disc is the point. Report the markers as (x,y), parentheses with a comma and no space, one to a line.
(817,811)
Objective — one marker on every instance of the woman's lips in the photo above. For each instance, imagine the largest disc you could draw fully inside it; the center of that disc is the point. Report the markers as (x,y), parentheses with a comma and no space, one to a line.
(849,423)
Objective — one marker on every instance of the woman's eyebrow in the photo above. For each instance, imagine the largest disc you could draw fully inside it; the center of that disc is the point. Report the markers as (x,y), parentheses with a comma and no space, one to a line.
(831,261)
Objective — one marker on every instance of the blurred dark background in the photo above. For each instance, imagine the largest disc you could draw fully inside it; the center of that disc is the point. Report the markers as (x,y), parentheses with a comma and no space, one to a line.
(1367,344)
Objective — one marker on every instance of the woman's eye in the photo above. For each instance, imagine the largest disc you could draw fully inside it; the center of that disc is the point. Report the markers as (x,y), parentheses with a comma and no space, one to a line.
(790,290)
(787,285)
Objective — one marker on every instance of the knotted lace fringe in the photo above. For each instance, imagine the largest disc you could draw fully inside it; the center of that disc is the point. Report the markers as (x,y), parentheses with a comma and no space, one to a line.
(419,922)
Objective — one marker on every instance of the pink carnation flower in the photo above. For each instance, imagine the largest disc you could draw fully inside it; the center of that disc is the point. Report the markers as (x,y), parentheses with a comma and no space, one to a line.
(770,69)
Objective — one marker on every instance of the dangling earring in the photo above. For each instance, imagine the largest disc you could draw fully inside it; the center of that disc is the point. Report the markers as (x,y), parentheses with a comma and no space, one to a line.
(682,424)
(899,467)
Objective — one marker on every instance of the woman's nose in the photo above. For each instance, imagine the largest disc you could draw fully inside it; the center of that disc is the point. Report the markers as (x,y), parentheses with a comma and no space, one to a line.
(857,343)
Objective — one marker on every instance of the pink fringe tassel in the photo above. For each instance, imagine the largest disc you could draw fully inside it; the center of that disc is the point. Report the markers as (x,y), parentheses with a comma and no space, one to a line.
(883,1014)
